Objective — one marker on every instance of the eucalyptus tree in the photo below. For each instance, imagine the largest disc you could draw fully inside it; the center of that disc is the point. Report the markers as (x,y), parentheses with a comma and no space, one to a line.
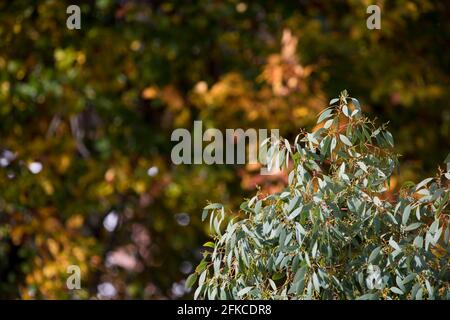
(333,233)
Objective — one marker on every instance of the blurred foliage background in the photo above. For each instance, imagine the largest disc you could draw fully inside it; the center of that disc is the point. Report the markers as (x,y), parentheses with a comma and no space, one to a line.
(86,118)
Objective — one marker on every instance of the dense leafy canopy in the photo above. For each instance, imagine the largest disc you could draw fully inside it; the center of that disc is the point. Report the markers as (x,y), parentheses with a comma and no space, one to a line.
(331,234)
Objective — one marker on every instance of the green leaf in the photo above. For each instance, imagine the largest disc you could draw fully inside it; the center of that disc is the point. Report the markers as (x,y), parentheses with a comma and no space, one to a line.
(389,138)
(345,140)
(202,278)
(197,292)
(325,145)
(422,183)
(191,280)
(345,111)
(362,165)
(409,278)
(413,226)
(278,276)
(333,144)
(300,274)
(201,266)
(328,123)
(213,206)
(419,294)
(418,242)
(394,245)
(273,285)
(441,205)
(396,290)
(429,288)
(205,214)
(244,291)
(209,244)
(406,214)
(368,296)
(374,254)
(316,282)
(325,115)
(333,101)
(295,213)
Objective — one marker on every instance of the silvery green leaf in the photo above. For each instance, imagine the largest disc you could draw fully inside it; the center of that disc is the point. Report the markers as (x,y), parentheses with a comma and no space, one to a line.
(223,294)
(213,206)
(399,283)
(418,242)
(345,111)
(282,238)
(434,226)
(310,137)
(392,218)
(413,226)
(293,203)
(213,294)
(316,282)
(362,165)
(377,201)
(355,112)
(333,144)
(295,213)
(325,114)
(297,287)
(424,192)
(197,292)
(307,259)
(202,278)
(428,240)
(368,296)
(394,245)
(300,228)
(389,138)
(396,290)
(244,291)
(217,267)
(422,183)
(414,289)
(419,294)
(309,289)
(437,235)
(333,101)
(328,123)
(314,250)
(429,289)
(397,207)
(376,132)
(406,213)
(345,140)
(374,254)
(273,285)
(288,145)
(284,195)
(325,145)
(409,278)
(291,177)
(300,274)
